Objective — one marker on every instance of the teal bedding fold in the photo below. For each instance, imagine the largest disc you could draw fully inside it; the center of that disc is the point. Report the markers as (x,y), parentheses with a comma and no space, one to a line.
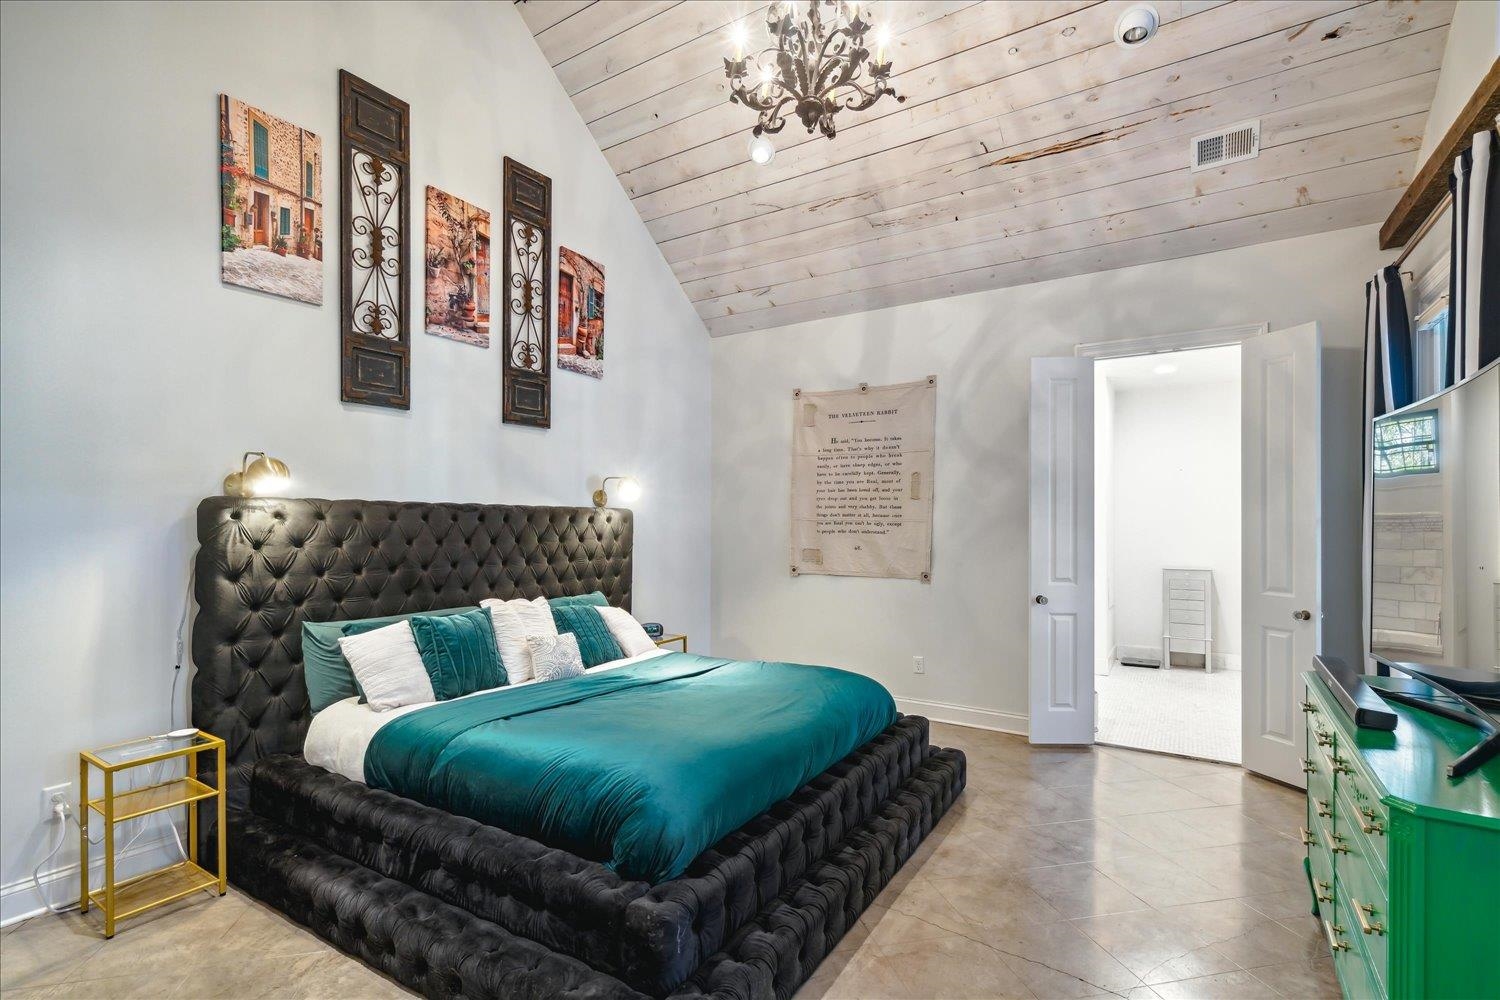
(641,767)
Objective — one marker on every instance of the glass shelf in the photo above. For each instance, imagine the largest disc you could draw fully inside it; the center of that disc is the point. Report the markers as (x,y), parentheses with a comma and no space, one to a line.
(154,798)
(148,750)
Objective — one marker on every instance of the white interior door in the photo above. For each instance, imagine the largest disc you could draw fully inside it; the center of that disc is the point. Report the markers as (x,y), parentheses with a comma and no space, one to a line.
(1281,435)
(1062,550)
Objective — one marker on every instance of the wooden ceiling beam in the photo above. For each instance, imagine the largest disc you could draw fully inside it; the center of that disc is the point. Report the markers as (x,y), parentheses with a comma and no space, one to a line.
(1430,185)
(1186,242)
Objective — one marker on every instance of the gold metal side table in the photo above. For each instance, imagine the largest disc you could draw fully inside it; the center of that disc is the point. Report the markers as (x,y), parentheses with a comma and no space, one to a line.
(664,640)
(135,895)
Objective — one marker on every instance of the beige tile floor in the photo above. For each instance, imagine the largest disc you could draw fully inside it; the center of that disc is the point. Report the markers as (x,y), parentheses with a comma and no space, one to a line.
(1059,873)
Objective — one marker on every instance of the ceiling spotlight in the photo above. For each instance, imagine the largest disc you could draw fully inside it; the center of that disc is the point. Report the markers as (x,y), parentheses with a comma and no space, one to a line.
(1164,369)
(761,150)
(1136,26)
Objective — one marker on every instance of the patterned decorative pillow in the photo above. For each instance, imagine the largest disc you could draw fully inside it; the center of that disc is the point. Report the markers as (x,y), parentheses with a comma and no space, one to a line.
(554,657)
(514,621)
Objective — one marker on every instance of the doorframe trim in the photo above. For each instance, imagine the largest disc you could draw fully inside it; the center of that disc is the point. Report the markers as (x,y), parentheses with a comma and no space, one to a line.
(1163,343)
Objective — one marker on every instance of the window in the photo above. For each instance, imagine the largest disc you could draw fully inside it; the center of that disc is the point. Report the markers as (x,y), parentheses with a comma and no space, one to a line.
(307,179)
(1407,445)
(1429,332)
(286,222)
(1429,348)
(261,137)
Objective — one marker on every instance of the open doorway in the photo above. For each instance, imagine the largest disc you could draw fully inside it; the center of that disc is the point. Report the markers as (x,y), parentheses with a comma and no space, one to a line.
(1167,550)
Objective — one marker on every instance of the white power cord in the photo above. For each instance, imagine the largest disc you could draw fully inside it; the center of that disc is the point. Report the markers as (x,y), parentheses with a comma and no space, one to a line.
(62,813)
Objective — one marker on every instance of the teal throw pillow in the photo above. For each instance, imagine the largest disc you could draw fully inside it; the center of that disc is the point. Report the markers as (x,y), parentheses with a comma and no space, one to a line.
(459,652)
(594,600)
(324,668)
(595,643)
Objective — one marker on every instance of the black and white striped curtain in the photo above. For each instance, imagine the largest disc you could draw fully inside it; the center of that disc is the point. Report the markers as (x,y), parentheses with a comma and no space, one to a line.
(1388,386)
(1473,274)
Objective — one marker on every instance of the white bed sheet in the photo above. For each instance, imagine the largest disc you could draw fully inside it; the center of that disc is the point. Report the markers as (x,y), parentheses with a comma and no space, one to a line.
(340,734)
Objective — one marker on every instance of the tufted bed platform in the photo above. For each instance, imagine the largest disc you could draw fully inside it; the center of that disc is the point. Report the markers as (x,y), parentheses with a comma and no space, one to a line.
(451,907)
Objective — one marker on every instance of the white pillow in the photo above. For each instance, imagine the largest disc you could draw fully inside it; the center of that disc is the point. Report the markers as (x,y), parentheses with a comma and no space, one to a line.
(555,656)
(627,631)
(388,667)
(515,622)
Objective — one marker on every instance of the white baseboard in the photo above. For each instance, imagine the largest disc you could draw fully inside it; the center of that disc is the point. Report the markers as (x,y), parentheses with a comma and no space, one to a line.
(19,899)
(965,715)
(1222,661)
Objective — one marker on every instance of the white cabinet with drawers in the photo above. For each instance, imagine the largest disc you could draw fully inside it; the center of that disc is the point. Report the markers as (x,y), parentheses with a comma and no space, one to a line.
(1187,614)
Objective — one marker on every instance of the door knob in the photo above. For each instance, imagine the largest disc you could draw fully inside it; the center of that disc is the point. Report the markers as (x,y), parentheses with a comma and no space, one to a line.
(1040,598)
(1302,616)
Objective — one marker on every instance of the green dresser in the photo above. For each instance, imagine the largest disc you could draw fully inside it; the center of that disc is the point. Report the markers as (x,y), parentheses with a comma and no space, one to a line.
(1404,862)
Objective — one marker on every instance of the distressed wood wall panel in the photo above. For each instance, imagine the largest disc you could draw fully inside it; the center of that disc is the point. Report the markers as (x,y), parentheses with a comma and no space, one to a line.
(375,224)
(526,373)
(1030,145)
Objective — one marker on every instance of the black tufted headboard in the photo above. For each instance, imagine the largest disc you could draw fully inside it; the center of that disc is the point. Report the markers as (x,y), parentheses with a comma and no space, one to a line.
(264,566)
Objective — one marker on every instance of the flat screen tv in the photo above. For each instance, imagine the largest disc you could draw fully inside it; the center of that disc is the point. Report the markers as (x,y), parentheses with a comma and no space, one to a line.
(1435,587)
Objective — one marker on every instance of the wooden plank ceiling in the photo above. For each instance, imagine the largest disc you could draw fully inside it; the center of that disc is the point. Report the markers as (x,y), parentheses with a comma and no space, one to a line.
(1030,146)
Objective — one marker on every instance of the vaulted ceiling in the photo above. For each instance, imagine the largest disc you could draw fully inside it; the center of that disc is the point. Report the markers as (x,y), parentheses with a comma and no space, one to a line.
(1030,146)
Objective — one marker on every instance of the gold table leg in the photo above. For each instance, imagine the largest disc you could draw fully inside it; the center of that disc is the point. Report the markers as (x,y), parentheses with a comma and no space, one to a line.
(83,835)
(223,834)
(109,854)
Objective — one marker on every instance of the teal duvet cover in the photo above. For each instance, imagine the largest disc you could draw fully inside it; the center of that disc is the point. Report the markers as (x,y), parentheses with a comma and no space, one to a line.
(641,767)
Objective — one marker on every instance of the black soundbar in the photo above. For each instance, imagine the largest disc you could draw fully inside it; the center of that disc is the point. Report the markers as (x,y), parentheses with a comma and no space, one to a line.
(1358,699)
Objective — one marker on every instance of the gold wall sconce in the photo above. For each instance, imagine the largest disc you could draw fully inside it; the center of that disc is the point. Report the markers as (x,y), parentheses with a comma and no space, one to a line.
(630,490)
(266,476)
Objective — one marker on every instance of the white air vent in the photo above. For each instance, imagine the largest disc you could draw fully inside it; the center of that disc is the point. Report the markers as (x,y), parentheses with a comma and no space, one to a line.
(1228,145)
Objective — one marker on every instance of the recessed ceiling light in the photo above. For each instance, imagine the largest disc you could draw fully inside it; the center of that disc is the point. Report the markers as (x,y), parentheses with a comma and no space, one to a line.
(1136,26)
(1164,369)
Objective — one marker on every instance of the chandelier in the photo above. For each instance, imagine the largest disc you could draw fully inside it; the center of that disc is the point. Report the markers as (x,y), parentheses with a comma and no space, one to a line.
(818,65)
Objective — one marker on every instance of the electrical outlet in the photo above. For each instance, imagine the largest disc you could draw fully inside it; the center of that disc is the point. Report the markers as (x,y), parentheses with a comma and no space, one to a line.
(54,794)
(918,665)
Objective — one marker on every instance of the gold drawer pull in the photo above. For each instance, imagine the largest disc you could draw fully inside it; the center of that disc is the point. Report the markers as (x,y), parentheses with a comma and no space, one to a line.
(1323,808)
(1307,838)
(1309,707)
(1324,886)
(1360,909)
(1308,767)
(1333,931)
(1341,766)
(1336,848)
(1325,739)
(1369,825)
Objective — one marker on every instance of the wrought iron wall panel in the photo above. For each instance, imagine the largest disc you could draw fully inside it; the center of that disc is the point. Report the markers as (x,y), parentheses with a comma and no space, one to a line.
(375,215)
(526,378)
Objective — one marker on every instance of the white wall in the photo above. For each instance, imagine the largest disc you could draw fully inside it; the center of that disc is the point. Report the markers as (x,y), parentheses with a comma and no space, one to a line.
(970,622)
(1175,502)
(1473,45)
(132,380)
